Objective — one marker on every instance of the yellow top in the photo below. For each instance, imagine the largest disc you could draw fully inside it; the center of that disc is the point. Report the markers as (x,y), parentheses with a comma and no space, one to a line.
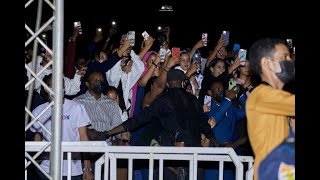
(267,110)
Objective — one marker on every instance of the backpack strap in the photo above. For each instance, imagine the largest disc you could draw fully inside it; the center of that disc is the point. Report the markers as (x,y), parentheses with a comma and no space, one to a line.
(291,137)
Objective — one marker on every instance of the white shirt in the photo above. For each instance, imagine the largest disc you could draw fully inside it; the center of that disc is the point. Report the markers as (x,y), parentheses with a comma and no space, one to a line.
(115,74)
(72,86)
(203,64)
(124,115)
(74,116)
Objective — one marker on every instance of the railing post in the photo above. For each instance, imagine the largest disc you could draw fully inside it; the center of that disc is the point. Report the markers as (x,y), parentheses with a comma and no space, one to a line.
(57,84)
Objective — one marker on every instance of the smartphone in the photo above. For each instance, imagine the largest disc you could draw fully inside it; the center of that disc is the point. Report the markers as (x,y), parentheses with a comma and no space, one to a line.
(236,47)
(176,52)
(294,50)
(168,52)
(289,43)
(162,54)
(207,99)
(43,36)
(232,84)
(131,37)
(78,24)
(195,56)
(198,62)
(205,39)
(145,35)
(243,56)
(225,37)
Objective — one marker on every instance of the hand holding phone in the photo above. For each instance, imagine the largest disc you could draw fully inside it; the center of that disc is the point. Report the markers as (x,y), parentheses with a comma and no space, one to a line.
(294,50)
(232,84)
(131,37)
(243,56)
(207,100)
(289,43)
(225,37)
(162,54)
(205,39)
(168,52)
(176,52)
(77,24)
(236,47)
(145,35)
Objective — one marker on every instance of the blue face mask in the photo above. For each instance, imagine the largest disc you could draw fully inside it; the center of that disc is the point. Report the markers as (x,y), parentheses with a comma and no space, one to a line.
(219,96)
(98,87)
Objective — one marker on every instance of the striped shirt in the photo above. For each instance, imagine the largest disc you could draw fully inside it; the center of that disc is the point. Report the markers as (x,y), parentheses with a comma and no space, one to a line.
(103,113)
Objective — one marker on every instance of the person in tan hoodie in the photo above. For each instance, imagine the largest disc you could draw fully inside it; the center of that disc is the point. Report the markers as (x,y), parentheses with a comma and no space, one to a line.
(268,106)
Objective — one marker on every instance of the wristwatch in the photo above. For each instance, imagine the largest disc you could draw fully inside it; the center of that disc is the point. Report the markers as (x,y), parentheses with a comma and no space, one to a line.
(87,169)
(155,64)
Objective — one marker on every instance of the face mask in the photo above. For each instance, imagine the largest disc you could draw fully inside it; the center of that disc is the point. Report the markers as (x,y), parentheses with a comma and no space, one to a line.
(98,87)
(218,96)
(288,71)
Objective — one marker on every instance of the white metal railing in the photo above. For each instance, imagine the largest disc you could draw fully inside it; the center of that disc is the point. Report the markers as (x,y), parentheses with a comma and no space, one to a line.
(112,153)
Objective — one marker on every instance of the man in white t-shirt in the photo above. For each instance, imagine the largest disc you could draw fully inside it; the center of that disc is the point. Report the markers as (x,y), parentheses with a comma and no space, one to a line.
(74,128)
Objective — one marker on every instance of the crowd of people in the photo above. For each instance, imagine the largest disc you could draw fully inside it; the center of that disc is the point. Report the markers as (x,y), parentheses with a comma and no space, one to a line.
(148,93)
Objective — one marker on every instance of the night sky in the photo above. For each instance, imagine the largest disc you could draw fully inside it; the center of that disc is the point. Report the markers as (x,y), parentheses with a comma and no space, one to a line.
(245,22)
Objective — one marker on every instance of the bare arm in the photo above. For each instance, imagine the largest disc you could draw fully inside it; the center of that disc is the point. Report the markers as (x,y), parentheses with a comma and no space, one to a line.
(37,136)
(198,45)
(124,47)
(143,80)
(237,143)
(193,68)
(196,85)
(147,45)
(214,52)
(159,83)
(86,163)
(167,33)
(110,34)
(234,66)
(205,142)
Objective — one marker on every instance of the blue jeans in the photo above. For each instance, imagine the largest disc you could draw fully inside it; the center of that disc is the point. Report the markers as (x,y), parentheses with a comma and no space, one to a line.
(143,174)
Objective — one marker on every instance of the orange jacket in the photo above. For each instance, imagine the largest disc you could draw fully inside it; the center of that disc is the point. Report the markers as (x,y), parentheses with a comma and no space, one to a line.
(267,110)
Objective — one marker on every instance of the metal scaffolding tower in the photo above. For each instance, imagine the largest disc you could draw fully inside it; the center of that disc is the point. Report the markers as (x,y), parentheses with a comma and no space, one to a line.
(57,66)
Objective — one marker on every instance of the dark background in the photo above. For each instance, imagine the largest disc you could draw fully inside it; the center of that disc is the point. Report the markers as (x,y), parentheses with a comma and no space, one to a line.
(246,21)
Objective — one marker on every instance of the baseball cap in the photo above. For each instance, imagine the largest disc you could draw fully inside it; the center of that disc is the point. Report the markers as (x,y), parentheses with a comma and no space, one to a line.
(175,75)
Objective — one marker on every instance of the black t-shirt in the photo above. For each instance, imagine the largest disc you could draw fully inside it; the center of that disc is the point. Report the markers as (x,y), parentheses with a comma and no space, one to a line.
(173,112)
